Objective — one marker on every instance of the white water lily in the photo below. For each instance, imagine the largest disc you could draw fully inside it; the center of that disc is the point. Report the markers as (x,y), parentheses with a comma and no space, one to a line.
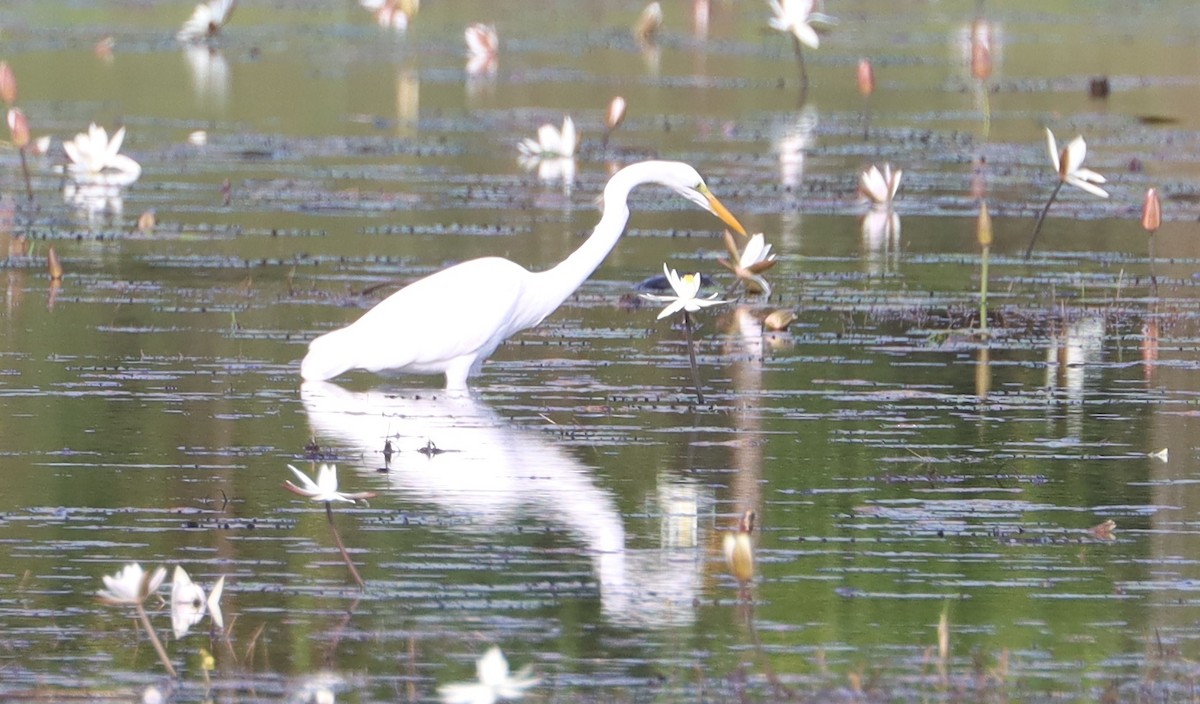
(552,142)
(325,488)
(795,16)
(1069,165)
(207,20)
(96,159)
(749,264)
(494,683)
(131,585)
(482,40)
(687,289)
(189,603)
(880,187)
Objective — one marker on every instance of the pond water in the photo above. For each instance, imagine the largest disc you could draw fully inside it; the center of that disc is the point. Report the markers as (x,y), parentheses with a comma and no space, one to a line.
(912,479)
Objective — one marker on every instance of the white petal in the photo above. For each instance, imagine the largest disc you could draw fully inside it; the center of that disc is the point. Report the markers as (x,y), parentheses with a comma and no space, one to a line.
(549,139)
(492,668)
(1090,188)
(327,479)
(672,309)
(113,147)
(306,484)
(1076,151)
(1089,175)
(214,603)
(894,180)
(567,145)
(1052,146)
(807,35)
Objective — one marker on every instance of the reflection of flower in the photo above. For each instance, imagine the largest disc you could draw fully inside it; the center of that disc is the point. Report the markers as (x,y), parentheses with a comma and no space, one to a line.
(325,488)
(551,142)
(94,199)
(1069,165)
(95,158)
(494,682)
(738,547)
(749,264)
(686,298)
(131,585)
(206,20)
(795,16)
(551,169)
(209,71)
(880,187)
(189,604)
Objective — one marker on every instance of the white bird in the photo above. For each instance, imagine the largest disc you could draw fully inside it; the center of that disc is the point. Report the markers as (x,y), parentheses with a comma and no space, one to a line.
(451,321)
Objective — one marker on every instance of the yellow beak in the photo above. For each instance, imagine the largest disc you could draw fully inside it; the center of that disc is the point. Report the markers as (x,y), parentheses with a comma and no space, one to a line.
(721,211)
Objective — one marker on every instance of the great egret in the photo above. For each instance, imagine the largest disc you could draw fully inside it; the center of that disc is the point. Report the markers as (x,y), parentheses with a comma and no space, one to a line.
(451,321)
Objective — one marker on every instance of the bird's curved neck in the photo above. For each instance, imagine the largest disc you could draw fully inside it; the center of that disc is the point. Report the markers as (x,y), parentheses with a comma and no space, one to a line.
(561,281)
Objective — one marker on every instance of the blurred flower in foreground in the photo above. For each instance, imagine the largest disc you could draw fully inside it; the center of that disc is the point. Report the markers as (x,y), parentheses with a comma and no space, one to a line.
(494,683)
(96,159)
(391,14)
(795,16)
(325,488)
(189,603)
(880,187)
(131,585)
(8,83)
(750,263)
(206,21)
(686,298)
(645,31)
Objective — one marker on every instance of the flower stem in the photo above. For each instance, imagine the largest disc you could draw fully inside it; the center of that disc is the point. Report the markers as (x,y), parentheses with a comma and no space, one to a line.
(983,291)
(1041,218)
(158,646)
(687,332)
(1153,279)
(25,170)
(342,548)
(800,60)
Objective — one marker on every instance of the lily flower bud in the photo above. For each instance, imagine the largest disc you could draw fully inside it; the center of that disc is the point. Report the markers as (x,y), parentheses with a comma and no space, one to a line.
(1151,211)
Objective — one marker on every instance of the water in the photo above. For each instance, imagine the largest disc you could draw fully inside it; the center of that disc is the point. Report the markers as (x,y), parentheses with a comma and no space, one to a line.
(573,510)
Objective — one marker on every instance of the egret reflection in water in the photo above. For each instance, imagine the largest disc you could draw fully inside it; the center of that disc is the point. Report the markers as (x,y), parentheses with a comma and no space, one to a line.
(495,474)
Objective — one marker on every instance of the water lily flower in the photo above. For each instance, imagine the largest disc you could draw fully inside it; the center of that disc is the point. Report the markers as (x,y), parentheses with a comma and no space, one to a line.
(616,113)
(95,158)
(795,16)
(880,187)
(482,40)
(551,142)
(325,488)
(686,298)
(1069,165)
(751,262)
(8,84)
(390,14)
(206,21)
(494,683)
(645,31)
(131,585)
(18,127)
(189,604)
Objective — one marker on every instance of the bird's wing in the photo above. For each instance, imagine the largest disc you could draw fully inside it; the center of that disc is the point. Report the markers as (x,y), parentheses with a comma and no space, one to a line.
(465,309)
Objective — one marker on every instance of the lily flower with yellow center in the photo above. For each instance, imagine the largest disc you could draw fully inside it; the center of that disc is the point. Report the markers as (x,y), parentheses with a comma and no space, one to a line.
(1068,164)
(686,298)
(494,683)
(551,142)
(96,159)
(750,263)
(206,21)
(880,187)
(325,488)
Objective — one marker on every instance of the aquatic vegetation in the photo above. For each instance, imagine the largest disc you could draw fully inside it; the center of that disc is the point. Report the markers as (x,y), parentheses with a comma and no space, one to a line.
(749,264)
(206,21)
(96,159)
(189,602)
(686,300)
(1068,164)
(131,587)
(551,142)
(494,682)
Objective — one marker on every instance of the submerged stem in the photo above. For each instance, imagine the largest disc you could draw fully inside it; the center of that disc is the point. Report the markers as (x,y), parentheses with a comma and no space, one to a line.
(687,332)
(1041,218)
(800,60)
(337,538)
(158,646)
